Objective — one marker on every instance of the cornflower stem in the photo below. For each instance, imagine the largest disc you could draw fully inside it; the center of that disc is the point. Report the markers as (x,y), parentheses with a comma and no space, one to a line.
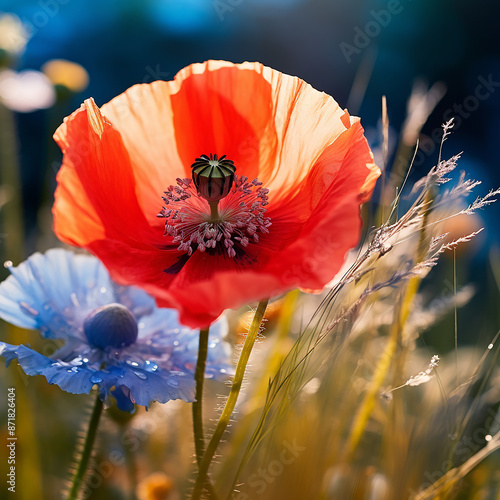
(199,375)
(231,400)
(88,445)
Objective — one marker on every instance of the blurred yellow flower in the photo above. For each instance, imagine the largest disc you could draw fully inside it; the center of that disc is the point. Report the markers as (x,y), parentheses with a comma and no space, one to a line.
(68,74)
(157,486)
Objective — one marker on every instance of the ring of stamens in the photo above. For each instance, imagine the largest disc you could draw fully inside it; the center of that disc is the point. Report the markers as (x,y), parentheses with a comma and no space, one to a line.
(241,217)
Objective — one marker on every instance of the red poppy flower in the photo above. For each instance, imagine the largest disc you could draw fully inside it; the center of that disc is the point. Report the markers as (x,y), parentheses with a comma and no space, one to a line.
(217,242)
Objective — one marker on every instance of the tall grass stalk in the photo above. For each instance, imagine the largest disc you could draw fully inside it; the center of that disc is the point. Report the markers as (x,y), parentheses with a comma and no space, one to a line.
(395,338)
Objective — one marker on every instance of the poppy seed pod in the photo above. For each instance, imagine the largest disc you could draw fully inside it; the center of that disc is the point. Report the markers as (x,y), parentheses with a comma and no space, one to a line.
(213,177)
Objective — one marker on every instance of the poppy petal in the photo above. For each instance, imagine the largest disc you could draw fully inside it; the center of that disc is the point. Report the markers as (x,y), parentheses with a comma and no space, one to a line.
(334,223)
(96,172)
(276,135)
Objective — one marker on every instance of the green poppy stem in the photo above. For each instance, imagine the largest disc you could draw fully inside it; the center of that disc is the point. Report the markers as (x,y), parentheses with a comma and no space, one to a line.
(88,445)
(231,400)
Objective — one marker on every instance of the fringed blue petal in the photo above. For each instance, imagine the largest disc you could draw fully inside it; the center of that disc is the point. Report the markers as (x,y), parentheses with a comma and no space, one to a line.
(123,401)
(161,385)
(8,351)
(136,300)
(175,347)
(161,322)
(70,377)
(140,384)
(54,292)
(219,365)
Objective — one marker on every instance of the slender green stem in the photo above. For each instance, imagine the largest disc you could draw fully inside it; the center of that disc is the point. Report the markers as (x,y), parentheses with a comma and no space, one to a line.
(199,376)
(231,400)
(87,450)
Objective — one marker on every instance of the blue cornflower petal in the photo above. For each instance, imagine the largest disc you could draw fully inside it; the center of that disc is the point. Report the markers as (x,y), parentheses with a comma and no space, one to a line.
(160,386)
(122,398)
(133,384)
(61,294)
(72,378)
(138,301)
(54,292)
(182,344)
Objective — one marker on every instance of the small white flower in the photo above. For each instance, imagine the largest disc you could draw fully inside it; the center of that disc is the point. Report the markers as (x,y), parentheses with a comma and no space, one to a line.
(26,91)
(425,376)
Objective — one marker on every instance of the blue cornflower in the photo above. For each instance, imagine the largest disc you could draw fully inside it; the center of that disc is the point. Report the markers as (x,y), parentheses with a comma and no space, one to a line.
(114,336)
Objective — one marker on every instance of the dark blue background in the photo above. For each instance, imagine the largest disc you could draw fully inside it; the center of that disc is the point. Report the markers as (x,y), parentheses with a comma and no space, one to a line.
(123,42)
